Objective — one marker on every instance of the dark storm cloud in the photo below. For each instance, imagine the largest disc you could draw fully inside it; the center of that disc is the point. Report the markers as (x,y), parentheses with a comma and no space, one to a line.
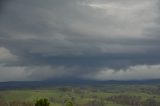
(79,38)
(2,3)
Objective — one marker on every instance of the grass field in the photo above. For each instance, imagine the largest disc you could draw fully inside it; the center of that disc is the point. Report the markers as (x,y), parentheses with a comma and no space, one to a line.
(107,95)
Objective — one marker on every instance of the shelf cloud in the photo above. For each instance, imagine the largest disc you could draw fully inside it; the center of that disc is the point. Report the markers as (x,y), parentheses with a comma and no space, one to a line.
(91,39)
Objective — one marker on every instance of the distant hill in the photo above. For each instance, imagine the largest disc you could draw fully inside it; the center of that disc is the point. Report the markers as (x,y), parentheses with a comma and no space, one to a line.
(67,82)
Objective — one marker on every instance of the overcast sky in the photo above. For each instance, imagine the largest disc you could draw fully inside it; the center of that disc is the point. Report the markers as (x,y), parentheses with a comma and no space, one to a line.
(88,39)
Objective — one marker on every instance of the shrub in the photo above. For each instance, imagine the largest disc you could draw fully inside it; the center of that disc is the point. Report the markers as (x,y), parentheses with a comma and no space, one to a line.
(42,102)
(68,103)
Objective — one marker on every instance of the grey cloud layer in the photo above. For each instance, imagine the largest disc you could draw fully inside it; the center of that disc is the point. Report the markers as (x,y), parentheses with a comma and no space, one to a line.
(77,37)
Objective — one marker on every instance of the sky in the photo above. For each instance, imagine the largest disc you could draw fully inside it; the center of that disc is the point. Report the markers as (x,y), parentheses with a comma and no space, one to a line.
(85,39)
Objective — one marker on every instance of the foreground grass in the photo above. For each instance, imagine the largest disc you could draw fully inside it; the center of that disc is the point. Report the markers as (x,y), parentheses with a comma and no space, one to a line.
(82,96)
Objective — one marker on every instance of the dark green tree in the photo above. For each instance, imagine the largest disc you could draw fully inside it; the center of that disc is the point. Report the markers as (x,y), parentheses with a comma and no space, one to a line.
(68,103)
(42,102)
